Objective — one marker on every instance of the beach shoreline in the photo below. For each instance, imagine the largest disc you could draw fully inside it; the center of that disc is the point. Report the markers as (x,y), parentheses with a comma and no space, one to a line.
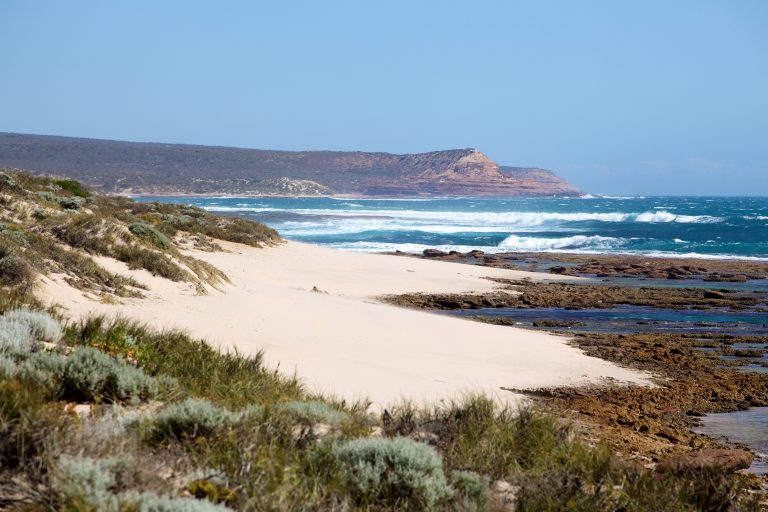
(313,312)
(716,366)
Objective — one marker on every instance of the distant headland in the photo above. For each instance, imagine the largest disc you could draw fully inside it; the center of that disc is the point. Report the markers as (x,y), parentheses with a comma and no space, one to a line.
(156,168)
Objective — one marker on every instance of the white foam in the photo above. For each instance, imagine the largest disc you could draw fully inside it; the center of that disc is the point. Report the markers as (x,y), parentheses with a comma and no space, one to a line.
(510,219)
(512,243)
(416,248)
(599,196)
(665,216)
(521,243)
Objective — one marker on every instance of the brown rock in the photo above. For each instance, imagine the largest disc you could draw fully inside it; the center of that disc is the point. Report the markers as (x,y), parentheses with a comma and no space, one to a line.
(725,459)
(434,253)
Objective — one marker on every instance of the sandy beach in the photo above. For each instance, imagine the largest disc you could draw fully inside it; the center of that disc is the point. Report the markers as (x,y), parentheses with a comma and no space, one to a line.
(313,311)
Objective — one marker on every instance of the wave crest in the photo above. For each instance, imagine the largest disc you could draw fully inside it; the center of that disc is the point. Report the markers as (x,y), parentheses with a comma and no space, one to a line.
(524,243)
(511,219)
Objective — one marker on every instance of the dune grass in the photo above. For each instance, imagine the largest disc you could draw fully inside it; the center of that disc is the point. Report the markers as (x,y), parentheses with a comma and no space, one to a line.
(237,435)
(53,225)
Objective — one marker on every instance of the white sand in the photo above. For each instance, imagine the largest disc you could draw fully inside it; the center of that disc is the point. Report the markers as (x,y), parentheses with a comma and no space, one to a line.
(342,341)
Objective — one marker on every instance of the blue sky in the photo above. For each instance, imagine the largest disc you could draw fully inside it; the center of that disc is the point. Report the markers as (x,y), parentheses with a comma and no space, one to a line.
(640,97)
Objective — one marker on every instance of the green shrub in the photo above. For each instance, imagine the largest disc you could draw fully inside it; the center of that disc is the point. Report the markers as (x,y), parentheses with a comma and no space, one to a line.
(22,329)
(12,235)
(26,423)
(472,487)
(147,232)
(9,184)
(392,472)
(16,337)
(151,502)
(15,271)
(87,484)
(84,231)
(89,374)
(70,203)
(73,187)
(498,441)
(48,196)
(248,413)
(153,261)
(178,221)
(187,420)
(44,369)
(212,491)
(8,368)
(313,411)
(228,378)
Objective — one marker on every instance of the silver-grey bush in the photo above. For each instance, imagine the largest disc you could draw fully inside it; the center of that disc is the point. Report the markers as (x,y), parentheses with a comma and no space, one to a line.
(392,471)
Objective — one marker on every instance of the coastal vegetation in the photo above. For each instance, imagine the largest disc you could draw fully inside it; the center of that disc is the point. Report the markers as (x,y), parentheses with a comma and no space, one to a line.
(109,414)
(131,416)
(56,226)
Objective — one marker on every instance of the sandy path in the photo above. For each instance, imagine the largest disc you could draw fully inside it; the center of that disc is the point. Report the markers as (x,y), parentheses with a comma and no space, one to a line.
(341,340)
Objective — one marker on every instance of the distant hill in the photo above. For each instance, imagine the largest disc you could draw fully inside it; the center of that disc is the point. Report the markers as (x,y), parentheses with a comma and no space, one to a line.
(135,167)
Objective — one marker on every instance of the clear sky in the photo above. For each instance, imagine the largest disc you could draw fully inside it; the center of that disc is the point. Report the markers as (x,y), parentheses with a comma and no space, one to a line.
(619,97)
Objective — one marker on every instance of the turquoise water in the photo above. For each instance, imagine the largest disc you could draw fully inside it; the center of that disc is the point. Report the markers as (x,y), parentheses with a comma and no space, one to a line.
(680,226)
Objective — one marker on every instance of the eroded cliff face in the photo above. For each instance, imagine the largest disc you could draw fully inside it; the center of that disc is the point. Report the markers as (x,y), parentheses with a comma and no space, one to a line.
(470,172)
(178,168)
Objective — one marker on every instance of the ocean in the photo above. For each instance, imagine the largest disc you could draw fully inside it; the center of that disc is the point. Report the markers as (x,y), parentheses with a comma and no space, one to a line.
(712,227)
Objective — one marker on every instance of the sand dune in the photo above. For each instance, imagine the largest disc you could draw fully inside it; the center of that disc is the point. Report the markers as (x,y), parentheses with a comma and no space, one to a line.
(340,340)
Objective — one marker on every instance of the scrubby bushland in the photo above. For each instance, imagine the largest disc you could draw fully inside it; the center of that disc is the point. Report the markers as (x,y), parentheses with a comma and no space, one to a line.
(231,433)
(82,483)
(27,422)
(86,375)
(49,225)
(229,379)
(87,484)
(23,330)
(188,420)
(313,411)
(73,187)
(144,230)
(471,488)
(15,271)
(392,472)
(89,374)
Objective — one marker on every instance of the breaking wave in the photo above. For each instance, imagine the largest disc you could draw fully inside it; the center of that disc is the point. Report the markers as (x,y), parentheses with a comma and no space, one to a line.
(665,226)
(533,244)
(485,218)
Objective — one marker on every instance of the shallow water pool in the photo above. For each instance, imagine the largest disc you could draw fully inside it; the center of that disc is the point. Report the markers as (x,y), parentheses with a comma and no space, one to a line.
(749,427)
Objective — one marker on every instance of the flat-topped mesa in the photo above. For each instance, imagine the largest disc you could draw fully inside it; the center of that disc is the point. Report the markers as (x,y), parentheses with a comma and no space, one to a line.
(132,167)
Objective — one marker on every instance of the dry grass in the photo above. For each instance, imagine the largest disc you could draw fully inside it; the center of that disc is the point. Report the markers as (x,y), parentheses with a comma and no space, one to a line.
(49,225)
